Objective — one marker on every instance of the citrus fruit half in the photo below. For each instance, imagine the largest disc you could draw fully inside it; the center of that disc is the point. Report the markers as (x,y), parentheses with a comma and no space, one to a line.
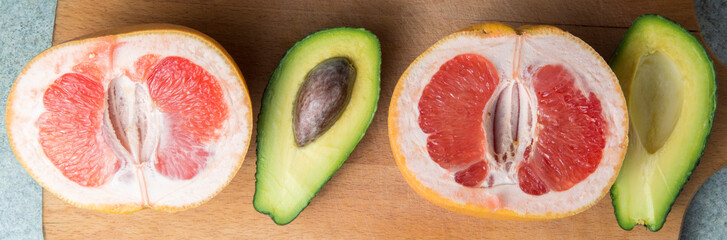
(150,116)
(515,124)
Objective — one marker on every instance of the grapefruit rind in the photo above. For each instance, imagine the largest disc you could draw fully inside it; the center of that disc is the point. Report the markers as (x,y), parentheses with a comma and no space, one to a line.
(481,205)
(18,102)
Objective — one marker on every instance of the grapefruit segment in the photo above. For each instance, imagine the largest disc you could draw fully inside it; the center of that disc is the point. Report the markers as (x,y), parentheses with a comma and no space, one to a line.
(142,67)
(571,134)
(192,103)
(180,156)
(69,130)
(542,135)
(450,110)
(136,119)
(472,175)
(531,183)
(97,63)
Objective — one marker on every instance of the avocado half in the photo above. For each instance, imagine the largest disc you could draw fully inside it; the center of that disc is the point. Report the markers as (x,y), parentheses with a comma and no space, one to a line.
(670,88)
(289,175)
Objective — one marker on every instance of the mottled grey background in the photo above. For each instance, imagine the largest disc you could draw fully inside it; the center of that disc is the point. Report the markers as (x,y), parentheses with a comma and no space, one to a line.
(712,17)
(706,216)
(26,29)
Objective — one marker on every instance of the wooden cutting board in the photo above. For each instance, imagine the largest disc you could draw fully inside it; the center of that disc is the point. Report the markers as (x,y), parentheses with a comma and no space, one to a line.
(367,197)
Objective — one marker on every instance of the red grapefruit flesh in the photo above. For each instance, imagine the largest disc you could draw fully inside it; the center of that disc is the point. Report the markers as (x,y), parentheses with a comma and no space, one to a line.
(138,119)
(192,101)
(515,124)
(451,110)
(572,136)
(70,130)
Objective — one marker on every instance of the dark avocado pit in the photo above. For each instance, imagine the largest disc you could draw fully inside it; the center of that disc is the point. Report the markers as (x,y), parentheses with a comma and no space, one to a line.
(323,96)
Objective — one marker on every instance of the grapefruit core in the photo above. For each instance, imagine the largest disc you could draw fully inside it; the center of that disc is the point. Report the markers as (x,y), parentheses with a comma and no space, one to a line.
(150,116)
(515,124)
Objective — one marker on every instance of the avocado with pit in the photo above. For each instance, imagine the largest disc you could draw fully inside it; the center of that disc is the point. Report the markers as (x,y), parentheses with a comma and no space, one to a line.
(670,88)
(315,109)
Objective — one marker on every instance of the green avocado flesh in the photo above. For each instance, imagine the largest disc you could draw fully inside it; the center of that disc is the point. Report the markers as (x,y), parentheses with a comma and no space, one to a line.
(289,176)
(670,88)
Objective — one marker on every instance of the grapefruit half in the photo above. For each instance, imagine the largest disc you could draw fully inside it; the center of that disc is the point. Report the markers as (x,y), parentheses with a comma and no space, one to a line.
(526,123)
(151,116)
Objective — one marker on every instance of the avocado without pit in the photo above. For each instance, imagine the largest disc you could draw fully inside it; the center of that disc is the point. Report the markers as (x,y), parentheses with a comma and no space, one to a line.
(670,88)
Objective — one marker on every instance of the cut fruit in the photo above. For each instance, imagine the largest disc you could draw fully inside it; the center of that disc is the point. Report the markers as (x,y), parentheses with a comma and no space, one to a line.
(316,108)
(149,116)
(670,86)
(514,124)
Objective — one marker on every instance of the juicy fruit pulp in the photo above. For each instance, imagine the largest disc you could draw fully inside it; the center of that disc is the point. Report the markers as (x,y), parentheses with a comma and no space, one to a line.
(503,128)
(69,136)
(191,101)
(125,117)
(69,130)
(670,87)
(452,105)
(571,127)
(572,138)
(315,109)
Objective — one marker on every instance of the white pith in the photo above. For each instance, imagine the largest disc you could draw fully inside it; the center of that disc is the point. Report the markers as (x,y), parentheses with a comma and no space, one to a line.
(592,75)
(125,190)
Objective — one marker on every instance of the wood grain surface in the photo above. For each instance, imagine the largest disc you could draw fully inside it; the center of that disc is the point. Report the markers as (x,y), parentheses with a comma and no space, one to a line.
(367,198)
